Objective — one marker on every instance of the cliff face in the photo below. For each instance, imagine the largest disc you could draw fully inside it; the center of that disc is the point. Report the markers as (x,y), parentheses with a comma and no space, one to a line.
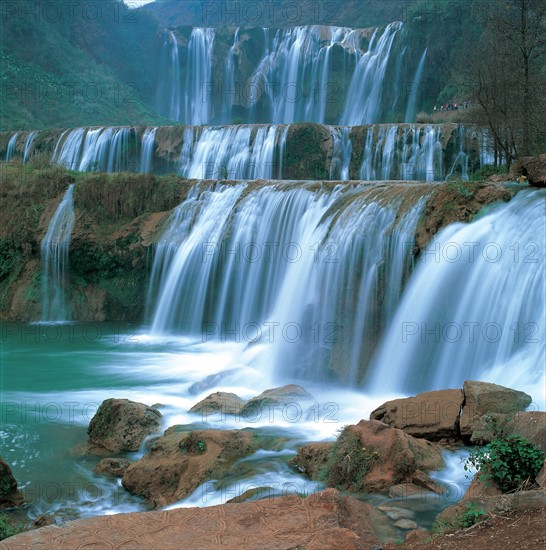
(118,218)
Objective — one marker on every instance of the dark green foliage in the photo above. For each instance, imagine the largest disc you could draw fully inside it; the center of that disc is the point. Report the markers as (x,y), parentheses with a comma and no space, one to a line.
(471,515)
(348,462)
(8,528)
(510,462)
(193,445)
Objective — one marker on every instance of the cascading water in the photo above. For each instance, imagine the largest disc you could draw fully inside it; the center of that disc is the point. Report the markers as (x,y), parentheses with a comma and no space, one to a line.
(54,252)
(294,80)
(311,263)
(28,145)
(147,150)
(341,153)
(94,149)
(363,103)
(474,307)
(414,91)
(174,112)
(11,146)
(197,100)
(461,160)
(232,152)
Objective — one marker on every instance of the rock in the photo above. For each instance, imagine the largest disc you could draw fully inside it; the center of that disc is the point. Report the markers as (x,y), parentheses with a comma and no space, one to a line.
(312,458)
(529,425)
(251,495)
(372,456)
(396,513)
(269,400)
(210,381)
(421,479)
(180,461)
(405,490)
(480,489)
(405,524)
(10,497)
(417,535)
(114,467)
(432,415)
(120,425)
(533,168)
(219,402)
(321,521)
(42,521)
(482,398)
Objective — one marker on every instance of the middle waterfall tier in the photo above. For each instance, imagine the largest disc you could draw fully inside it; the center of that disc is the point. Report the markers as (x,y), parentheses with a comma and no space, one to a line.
(314,270)
(406,152)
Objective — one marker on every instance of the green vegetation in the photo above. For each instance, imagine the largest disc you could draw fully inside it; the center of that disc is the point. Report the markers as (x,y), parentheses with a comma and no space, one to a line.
(348,462)
(193,445)
(511,462)
(469,516)
(8,528)
(80,64)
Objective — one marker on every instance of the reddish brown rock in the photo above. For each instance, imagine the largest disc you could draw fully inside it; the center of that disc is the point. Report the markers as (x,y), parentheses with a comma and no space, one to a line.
(480,489)
(541,476)
(432,415)
(321,521)
(114,467)
(218,403)
(180,461)
(120,425)
(533,168)
(483,398)
(372,456)
(311,459)
(275,399)
(9,495)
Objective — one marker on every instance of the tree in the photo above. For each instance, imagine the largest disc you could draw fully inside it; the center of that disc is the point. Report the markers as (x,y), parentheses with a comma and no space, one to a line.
(504,74)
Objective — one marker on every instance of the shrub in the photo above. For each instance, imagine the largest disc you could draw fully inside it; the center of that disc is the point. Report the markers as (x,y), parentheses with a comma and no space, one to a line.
(348,462)
(193,445)
(7,527)
(510,462)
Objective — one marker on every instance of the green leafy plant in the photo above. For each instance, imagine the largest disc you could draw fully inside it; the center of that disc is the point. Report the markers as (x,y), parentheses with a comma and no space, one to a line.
(193,445)
(8,528)
(510,462)
(471,515)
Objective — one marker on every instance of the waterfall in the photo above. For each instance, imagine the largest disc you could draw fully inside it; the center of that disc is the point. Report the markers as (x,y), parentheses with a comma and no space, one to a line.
(94,149)
(176,307)
(310,263)
(232,152)
(403,153)
(147,150)
(341,153)
(28,145)
(11,146)
(414,91)
(230,92)
(54,252)
(474,306)
(197,98)
(363,103)
(174,112)
(461,160)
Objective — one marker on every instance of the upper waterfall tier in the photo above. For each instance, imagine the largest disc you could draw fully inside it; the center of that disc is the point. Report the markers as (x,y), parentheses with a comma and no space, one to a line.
(322,74)
(414,152)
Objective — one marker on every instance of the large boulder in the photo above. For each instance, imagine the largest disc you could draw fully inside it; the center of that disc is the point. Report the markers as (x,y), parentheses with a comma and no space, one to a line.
(276,400)
(114,467)
(120,425)
(321,521)
(432,415)
(483,398)
(533,168)
(9,495)
(372,457)
(529,425)
(180,461)
(219,403)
